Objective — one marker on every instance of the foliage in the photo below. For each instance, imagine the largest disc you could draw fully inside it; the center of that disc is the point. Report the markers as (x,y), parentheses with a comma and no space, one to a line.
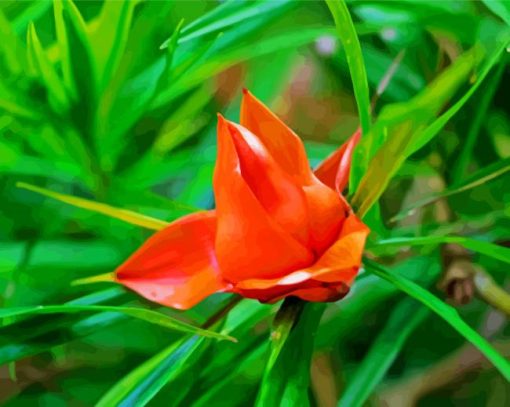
(107,133)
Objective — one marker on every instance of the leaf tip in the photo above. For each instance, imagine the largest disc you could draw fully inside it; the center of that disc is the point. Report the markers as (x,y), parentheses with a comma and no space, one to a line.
(101,278)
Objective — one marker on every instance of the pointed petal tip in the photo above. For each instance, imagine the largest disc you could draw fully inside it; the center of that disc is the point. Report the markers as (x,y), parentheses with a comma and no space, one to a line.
(223,120)
(222,123)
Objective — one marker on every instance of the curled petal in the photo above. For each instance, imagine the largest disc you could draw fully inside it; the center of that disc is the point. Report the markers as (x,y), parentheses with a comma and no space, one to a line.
(341,261)
(249,242)
(322,293)
(334,170)
(176,266)
(338,265)
(310,291)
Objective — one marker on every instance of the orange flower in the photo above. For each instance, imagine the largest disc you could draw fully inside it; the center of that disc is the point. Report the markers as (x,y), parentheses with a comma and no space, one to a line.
(279,229)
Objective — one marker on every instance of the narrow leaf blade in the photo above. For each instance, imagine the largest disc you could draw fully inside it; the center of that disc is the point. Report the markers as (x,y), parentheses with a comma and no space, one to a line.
(121,214)
(349,39)
(150,316)
(446,312)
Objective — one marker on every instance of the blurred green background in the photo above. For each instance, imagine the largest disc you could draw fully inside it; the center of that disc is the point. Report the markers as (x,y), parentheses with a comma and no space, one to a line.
(116,102)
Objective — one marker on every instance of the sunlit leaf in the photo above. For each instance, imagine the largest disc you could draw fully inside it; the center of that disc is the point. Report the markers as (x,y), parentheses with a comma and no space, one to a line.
(108,36)
(121,214)
(401,129)
(240,12)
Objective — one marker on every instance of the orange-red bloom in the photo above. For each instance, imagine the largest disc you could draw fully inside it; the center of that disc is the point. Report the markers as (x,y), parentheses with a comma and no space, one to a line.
(279,229)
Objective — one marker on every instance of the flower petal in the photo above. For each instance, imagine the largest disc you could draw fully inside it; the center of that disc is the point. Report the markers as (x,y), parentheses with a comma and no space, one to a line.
(334,170)
(176,266)
(281,142)
(312,290)
(338,265)
(324,293)
(326,210)
(249,242)
(281,196)
(342,260)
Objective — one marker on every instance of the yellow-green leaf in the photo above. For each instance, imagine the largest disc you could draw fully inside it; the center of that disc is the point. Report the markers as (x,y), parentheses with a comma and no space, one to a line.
(401,128)
(121,214)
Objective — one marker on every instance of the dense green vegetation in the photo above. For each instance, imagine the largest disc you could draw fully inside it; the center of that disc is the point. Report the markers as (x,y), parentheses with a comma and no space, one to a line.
(108,112)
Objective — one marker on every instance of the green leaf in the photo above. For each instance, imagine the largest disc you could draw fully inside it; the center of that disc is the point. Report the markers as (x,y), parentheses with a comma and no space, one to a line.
(121,214)
(479,119)
(217,13)
(286,380)
(368,296)
(239,12)
(17,110)
(43,66)
(244,321)
(125,103)
(489,249)
(11,48)
(247,366)
(143,383)
(16,163)
(499,7)
(30,14)
(352,47)
(448,313)
(220,57)
(170,51)
(480,177)
(78,66)
(75,50)
(401,129)
(39,334)
(284,321)
(404,319)
(109,35)
(150,316)
(49,254)
(433,129)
